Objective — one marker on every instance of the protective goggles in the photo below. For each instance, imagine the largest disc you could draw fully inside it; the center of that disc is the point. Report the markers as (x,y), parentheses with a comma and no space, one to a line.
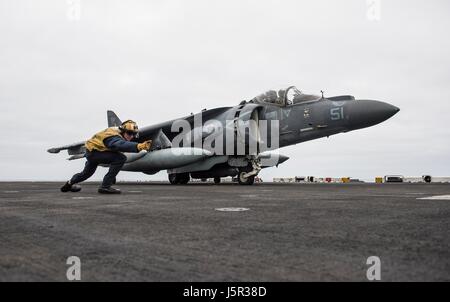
(132,133)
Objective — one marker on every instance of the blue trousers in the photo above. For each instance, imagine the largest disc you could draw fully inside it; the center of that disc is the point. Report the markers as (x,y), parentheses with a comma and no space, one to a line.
(115,160)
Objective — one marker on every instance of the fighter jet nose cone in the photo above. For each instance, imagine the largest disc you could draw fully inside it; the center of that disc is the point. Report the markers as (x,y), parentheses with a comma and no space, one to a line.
(388,110)
(396,109)
(365,113)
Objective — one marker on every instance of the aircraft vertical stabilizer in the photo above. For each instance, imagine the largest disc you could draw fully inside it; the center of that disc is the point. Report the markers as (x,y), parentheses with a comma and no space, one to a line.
(113,119)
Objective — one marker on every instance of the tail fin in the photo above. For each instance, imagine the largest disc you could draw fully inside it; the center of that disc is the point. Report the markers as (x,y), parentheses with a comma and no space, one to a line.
(113,119)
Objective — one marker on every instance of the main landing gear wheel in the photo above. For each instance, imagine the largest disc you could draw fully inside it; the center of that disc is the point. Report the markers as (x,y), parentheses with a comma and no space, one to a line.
(217,180)
(179,178)
(247,181)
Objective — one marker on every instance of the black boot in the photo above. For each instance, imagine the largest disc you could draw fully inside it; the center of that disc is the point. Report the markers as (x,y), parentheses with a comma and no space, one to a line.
(109,190)
(70,188)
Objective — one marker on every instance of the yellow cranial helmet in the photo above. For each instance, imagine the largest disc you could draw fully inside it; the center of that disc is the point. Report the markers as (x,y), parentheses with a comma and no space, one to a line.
(130,127)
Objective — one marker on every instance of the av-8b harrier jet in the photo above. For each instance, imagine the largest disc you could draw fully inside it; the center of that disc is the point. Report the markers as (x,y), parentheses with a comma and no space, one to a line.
(242,140)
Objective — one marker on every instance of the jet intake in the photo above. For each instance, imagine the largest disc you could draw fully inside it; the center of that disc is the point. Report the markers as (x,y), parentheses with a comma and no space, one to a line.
(246,127)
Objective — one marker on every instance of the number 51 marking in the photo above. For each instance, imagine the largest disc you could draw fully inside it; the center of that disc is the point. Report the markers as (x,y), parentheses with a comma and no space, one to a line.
(337,113)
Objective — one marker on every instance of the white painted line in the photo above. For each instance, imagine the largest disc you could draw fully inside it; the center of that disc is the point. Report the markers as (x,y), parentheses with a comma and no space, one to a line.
(385,195)
(10,191)
(437,197)
(134,191)
(232,209)
(81,198)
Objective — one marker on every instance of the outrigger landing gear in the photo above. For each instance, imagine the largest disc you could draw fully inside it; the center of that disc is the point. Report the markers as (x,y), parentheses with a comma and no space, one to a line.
(247,175)
(179,178)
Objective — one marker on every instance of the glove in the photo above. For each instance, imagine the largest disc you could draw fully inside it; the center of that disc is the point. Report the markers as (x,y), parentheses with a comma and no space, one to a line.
(144,146)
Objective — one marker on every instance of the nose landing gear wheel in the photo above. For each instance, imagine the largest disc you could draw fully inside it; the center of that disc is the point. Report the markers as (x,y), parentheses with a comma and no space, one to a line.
(245,180)
(217,180)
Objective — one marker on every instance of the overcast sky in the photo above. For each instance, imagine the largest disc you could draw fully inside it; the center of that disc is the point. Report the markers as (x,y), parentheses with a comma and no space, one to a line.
(61,68)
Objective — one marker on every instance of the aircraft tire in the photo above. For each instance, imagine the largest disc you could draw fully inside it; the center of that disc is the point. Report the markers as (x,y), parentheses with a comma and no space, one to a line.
(245,181)
(217,180)
(184,178)
(173,179)
(179,178)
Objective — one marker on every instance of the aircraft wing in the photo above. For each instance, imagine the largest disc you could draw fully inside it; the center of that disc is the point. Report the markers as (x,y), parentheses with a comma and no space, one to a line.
(150,132)
(72,149)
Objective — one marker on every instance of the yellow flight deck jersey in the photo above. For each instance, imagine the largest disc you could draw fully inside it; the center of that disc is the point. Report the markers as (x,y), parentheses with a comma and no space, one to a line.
(96,142)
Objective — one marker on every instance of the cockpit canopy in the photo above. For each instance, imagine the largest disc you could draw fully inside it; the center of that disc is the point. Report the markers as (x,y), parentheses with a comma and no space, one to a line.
(285,97)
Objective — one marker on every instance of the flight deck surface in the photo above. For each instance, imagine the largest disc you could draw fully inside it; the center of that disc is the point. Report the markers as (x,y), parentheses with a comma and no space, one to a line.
(205,232)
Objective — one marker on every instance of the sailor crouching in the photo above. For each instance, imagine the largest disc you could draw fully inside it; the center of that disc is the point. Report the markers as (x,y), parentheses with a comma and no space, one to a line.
(105,148)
